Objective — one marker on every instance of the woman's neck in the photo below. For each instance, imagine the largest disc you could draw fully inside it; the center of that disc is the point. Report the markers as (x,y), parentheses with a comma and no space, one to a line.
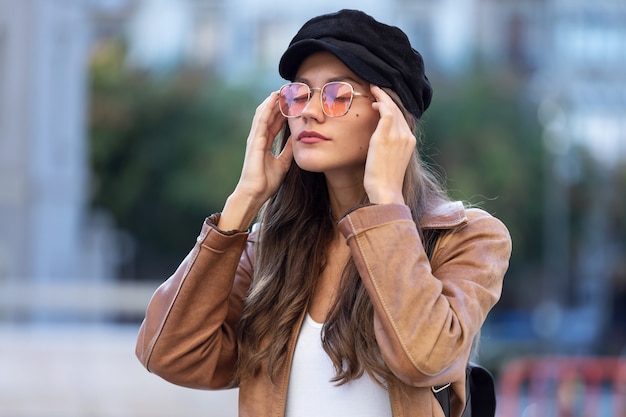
(344,191)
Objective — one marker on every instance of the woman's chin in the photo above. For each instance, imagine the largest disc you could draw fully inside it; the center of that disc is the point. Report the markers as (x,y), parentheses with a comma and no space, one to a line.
(310,164)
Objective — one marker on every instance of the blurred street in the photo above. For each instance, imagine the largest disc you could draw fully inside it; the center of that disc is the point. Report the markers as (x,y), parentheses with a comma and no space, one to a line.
(91,371)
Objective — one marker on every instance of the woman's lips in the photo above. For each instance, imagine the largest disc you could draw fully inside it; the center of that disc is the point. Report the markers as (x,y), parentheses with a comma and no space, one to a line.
(311,137)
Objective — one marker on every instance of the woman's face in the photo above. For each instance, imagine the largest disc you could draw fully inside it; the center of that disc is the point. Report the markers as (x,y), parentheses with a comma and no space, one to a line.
(332,144)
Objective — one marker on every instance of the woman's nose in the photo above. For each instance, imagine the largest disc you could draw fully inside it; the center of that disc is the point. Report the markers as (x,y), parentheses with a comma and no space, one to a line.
(313,108)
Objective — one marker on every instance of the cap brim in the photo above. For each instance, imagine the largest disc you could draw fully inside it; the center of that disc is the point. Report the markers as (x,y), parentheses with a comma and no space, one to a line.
(296,53)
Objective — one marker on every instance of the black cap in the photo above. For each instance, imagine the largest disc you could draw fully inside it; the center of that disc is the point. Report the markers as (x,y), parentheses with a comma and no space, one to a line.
(378,53)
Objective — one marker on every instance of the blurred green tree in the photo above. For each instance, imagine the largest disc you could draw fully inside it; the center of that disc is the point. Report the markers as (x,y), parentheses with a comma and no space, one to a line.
(165,153)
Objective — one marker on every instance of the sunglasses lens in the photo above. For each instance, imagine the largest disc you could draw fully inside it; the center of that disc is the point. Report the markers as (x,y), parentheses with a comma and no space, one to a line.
(336,98)
(293,99)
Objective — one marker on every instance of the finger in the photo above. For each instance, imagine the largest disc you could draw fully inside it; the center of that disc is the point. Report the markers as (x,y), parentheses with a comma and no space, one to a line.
(273,130)
(286,155)
(263,110)
(251,140)
(392,116)
(385,105)
(378,93)
(276,122)
(265,125)
(270,111)
(382,97)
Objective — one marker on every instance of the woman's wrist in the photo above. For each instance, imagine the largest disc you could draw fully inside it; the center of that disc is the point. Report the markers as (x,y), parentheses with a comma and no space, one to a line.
(239,212)
(386,196)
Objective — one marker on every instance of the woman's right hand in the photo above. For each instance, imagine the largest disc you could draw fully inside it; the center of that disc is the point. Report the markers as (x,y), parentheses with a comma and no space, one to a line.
(262,171)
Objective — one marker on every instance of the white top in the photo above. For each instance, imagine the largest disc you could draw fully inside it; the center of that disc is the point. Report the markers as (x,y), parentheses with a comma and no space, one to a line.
(310,392)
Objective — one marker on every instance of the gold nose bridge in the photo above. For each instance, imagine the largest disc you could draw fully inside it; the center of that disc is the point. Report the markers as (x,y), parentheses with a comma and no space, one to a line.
(313,90)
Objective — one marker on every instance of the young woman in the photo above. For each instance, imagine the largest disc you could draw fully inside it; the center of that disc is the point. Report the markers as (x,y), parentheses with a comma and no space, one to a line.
(361,286)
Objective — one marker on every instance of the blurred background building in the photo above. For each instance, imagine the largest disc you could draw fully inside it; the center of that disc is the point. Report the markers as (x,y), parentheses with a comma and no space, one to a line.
(65,259)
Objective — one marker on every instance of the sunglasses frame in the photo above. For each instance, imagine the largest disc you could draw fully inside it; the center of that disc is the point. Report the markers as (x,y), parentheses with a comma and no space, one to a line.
(354,93)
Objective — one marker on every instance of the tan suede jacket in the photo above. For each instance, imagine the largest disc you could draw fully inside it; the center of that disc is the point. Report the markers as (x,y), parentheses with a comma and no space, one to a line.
(426,313)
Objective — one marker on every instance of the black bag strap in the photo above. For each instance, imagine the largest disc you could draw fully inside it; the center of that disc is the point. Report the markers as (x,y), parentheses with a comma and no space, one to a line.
(480,392)
(443,396)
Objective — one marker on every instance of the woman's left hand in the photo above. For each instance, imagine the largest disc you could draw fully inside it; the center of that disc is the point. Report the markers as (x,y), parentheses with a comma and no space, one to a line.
(390,150)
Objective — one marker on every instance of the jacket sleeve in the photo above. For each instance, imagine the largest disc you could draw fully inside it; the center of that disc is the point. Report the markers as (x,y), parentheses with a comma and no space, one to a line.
(188,334)
(427,313)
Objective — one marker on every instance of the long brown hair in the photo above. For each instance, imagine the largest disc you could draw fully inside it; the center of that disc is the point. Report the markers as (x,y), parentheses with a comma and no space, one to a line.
(290,255)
